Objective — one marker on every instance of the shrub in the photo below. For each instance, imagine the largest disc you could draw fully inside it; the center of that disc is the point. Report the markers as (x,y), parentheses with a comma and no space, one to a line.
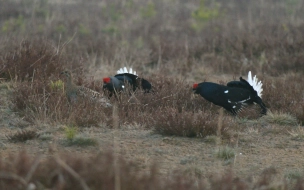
(33,60)
(22,136)
(36,101)
(169,121)
(283,96)
(70,132)
(280,119)
(225,153)
(81,141)
(294,174)
(297,134)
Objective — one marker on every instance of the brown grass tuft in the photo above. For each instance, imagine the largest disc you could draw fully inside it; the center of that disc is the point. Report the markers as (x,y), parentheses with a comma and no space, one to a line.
(170,121)
(280,119)
(22,136)
(32,60)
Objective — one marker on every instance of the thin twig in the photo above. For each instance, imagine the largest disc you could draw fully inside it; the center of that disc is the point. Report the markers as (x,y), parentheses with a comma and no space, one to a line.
(161,99)
(37,60)
(67,42)
(220,122)
(33,169)
(57,51)
(10,176)
(116,147)
(73,173)
(33,78)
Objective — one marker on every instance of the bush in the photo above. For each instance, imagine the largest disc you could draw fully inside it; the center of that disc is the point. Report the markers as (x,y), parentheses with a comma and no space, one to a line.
(225,153)
(284,95)
(22,136)
(170,121)
(37,101)
(33,60)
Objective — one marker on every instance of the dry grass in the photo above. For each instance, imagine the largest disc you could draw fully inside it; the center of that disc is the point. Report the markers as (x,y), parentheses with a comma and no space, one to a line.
(80,141)
(280,119)
(188,124)
(36,101)
(77,172)
(32,60)
(22,136)
(297,134)
(225,153)
(166,44)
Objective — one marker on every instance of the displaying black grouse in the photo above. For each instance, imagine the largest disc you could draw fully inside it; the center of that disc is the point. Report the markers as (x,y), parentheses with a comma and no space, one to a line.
(233,96)
(124,78)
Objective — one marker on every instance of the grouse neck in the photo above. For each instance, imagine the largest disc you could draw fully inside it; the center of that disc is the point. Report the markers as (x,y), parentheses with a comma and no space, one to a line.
(70,83)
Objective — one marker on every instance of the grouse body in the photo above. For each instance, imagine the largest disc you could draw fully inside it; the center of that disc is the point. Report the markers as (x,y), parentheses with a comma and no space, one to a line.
(73,92)
(125,78)
(233,96)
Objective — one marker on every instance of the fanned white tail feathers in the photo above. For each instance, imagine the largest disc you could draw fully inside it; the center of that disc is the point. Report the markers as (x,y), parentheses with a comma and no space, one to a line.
(125,70)
(257,86)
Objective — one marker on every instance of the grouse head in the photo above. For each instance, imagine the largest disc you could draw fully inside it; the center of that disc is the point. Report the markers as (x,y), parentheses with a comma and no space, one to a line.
(66,73)
(195,88)
(112,83)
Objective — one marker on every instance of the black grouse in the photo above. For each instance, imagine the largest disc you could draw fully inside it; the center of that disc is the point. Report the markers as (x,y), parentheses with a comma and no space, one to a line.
(233,96)
(124,78)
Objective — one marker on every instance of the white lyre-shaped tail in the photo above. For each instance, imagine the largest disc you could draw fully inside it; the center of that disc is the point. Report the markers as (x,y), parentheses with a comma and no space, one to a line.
(257,86)
(125,70)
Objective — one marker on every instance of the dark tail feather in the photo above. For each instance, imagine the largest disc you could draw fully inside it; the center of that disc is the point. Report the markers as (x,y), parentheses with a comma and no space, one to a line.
(146,85)
(262,105)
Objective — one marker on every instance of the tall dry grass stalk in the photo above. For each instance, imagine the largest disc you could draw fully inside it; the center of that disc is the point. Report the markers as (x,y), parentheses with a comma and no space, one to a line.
(116,145)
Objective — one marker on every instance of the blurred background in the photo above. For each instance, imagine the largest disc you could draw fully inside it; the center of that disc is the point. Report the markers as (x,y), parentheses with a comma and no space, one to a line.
(193,39)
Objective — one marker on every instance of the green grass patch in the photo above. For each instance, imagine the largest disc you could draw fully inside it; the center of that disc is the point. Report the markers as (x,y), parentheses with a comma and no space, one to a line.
(293,174)
(212,139)
(225,153)
(81,141)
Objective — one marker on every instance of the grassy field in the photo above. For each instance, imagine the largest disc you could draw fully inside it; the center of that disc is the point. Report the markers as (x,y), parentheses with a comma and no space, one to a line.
(168,139)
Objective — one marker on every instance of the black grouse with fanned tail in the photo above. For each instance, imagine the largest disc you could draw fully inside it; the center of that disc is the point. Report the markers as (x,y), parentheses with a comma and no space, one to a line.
(235,95)
(125,78)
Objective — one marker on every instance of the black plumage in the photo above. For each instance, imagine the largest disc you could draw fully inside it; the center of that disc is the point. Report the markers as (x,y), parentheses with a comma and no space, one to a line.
(123,79)
(231,97)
